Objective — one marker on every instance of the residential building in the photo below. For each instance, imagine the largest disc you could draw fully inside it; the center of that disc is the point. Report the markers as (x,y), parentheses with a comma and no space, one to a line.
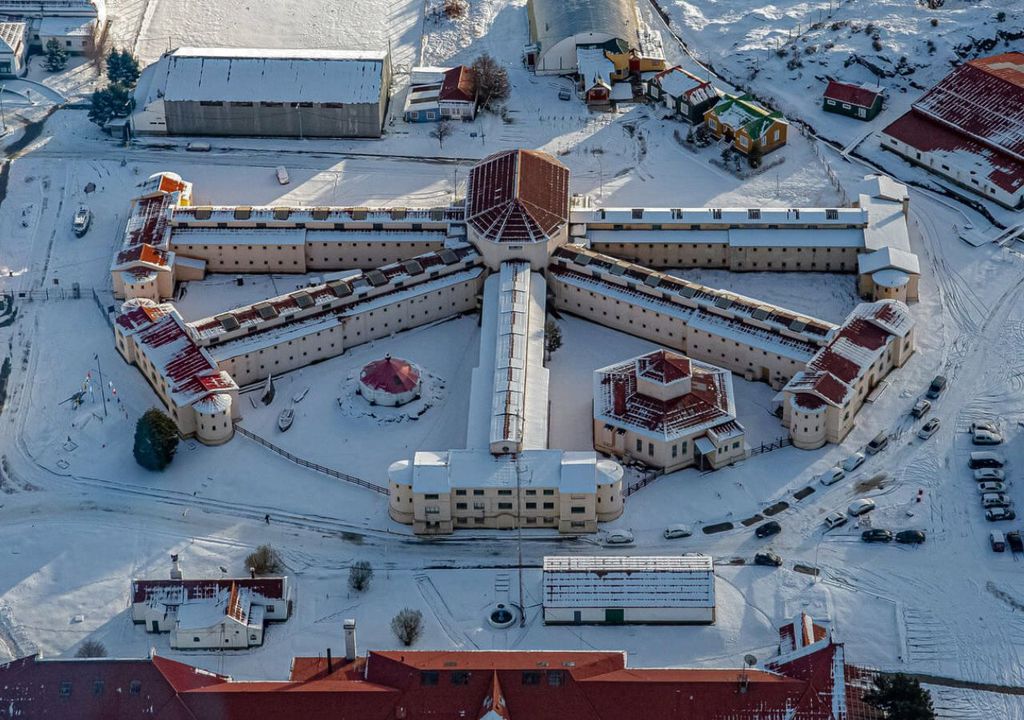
(745,124)
(74,22)
(683,93)
(77,35)
(594,75)
(441,94)
(210,613)
(440,492)
(667,411)
(807,679)
(13,48)
(820,403)
(862,102)
(263,92)
(969,129)
(663,590)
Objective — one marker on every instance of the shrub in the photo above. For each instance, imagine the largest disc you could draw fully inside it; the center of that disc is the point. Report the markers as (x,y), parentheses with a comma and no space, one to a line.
(552,336)
(156,435)
(359,575)
(264,560)
(877,45)
(934,22)
(407,626)
(455,9)
(91,649)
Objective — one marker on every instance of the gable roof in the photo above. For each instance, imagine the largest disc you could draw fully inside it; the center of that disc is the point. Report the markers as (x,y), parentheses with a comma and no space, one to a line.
(863,96)
(740,111)
(260,74)
(518,196)
(459,85)
(677,82)
(12,36)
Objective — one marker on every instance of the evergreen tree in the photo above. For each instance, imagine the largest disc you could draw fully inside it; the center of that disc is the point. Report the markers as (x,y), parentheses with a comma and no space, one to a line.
(113,101)
(156,439)
(56,55)
(900,697)
(122,68)
(552,337)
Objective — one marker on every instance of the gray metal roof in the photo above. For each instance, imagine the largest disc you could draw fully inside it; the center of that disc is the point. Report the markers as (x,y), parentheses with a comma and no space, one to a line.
(552,21)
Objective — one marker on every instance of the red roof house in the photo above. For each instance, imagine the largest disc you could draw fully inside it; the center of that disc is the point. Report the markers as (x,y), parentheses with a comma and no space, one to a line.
(970,128)
(863,102)
(801,683)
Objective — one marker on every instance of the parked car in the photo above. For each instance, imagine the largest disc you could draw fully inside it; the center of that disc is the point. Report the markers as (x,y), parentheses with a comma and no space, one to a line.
(674,532)
(564,95)
(936,388)
(910,537)
(991,486)
(990,425)
(767,558)
(983,474)
(929,428)
(832,476)
(993,500)
(282,175)
(768,529)
(876,535)
(878,444)
(997,514)
(618,537)
(921,408)
(1014,540)
(82,220)
(835,519)
(853,462)
(997,540)
(985,437)
(861,506)
(198,147)
(985,459)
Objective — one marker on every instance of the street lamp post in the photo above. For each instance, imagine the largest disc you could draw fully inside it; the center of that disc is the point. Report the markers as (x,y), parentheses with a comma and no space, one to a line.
(103,392)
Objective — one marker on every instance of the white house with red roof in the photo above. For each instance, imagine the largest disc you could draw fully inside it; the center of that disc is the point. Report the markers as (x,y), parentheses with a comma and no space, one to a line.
(820,403)
(970,129)
(389,381)
(668,411)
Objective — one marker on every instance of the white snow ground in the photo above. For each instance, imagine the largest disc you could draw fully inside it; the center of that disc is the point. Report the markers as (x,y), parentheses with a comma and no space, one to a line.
(78,518)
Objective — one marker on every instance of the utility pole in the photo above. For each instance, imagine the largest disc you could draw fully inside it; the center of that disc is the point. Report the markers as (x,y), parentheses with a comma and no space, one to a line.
(103,392)
(519,540)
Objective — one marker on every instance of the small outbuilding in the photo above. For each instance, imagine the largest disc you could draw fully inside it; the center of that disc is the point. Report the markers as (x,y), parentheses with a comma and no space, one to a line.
(665,590)
(863,102)
(389,381)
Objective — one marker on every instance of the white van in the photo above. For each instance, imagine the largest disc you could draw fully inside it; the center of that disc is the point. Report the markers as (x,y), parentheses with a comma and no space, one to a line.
(997,540)
(986,459)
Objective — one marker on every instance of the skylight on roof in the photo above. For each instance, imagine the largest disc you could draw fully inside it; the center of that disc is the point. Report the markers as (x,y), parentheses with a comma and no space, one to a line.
(303,300)
(266,311)
(448,257)
(376,278)
(228,322)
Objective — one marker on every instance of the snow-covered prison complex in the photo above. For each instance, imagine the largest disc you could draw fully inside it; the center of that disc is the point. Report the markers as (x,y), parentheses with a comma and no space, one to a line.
(517,241)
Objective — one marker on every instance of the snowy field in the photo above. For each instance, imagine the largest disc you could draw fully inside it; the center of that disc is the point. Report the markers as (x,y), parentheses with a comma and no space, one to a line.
(78,518)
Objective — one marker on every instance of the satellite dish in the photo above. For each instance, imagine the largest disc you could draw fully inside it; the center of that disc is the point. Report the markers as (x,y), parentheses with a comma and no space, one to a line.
(750,660)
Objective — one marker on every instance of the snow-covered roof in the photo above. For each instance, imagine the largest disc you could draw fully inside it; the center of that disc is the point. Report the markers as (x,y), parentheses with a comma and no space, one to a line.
(677,82)
(726,217)
(66,27)
(796,238)
(888,258)
(566,471)
(686,581)
(12,36)
(703,400)
(552,21)
(594,67)
(266,75)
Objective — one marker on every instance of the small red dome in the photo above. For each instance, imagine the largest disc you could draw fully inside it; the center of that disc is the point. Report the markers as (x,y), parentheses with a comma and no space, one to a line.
(389,374)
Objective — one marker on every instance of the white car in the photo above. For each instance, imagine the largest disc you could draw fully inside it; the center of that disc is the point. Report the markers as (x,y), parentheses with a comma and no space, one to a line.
(861,506)
(832,476)
(853,462)
(983,474)
(835,519)
(674,532)
(986,437)
(991,487)
(282,175)
(990,425)
(929,428)
(619,537)
(994,500)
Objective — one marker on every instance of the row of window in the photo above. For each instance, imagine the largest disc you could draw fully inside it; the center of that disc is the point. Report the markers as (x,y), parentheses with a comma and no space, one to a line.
(554,678)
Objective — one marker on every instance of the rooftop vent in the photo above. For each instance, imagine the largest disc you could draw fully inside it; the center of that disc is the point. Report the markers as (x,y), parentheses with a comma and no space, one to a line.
(652,280)
(376,278)
(582,259)
(448,257)
(724,302)
(266,311)
(228,322)
(412,267)
(243,212)
(798,325)
(340,288)
(282,213)
(303,300)
(760,313)
(617,269)
(688,291)
(321,213)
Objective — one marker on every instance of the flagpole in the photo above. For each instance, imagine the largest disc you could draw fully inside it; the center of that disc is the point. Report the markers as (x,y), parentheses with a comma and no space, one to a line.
(103,393)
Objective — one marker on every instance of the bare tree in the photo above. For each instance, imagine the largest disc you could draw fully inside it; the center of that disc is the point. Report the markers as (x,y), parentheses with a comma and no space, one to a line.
(91,649)
(443,130)
(407,626)
(264,560)
(455,9)
(491,81)
(359,575)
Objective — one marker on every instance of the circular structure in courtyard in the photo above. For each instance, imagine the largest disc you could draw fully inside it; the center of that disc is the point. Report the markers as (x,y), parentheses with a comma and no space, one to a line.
(502,616)
(389,381)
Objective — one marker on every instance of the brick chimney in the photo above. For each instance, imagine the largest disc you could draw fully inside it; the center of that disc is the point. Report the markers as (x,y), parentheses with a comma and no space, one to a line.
(619,397)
